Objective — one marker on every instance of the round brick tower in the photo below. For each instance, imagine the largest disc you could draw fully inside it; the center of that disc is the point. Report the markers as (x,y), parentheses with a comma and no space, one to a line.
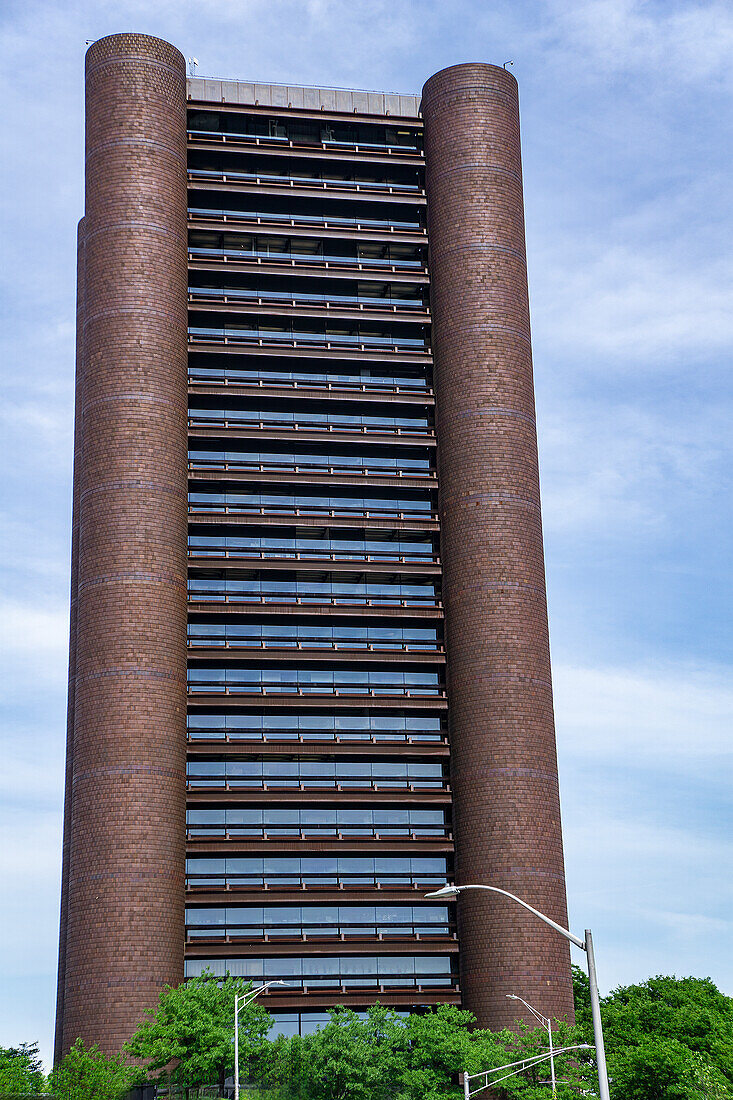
(503,770)
(58,1038)
(124,898)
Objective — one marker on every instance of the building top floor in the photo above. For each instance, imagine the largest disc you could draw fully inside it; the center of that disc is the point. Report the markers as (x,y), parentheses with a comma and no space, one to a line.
(342,101)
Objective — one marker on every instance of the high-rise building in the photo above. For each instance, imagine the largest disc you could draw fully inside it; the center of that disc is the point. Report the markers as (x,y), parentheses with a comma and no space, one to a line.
(309,663)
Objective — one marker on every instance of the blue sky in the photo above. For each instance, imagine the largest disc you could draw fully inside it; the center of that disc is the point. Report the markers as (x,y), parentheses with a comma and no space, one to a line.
(626,110)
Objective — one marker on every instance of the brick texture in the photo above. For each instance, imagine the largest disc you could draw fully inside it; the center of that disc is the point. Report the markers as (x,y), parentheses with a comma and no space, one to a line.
(503,761)
(122,909)
(58,1039)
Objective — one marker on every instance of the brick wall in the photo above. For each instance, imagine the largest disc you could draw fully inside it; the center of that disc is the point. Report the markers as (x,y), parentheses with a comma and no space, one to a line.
(503,762)
(123,901)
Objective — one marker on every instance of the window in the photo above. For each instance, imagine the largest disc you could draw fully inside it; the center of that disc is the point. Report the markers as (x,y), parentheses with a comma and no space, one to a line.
(367,971)
(288,414)
(291,871)
(321,821)
(247,922)
(204,678)
(311,251)
(357,726)
(281,587)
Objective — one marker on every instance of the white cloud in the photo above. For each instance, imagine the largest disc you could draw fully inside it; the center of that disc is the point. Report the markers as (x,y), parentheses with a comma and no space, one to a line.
(30,867)
(32,629)
(678,42)
(655,895)
(34,644)
(619,470)
(633,305)
(644,764)
(670,716)
(690,924)
(32,779)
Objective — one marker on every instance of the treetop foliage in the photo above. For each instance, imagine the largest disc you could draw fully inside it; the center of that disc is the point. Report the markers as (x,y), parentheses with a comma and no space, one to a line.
(191,1032)
(86,1072)
(666,1039)
(21,1069)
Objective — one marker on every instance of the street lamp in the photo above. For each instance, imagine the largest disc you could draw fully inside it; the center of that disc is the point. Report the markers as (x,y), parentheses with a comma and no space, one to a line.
(546,1022)
(586,945)
(239,1004)
(523,1063)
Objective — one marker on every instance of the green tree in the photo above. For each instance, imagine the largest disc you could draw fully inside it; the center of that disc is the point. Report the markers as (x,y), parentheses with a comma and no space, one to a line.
(21,1069)
(581,997)
(440,1046)
(574,1072)
(418,1057)
(665,1038)
(664,1069)
(191,1033)
(86,1072)
(349,1058)
(691,1011)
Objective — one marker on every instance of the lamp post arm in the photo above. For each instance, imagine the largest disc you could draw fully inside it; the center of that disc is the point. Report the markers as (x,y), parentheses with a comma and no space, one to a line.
(241,1002)
(246,998)
(544,1020)
(585,945)
(558,927)
(525,1063)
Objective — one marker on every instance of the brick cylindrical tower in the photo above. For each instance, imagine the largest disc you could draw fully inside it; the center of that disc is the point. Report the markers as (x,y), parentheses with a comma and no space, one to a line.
(124,900)
(58,1038)
(504,770)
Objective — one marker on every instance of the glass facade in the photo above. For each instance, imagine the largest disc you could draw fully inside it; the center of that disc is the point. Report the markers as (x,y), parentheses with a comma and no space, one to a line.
(315,773)
(308,284)
(279,822)
(310,251)
(326,870)
(276,587)
(355,726)
(301,922)
(321,680)
(288,414)
(316,635)
(339,545)
(343,972)
(276,499)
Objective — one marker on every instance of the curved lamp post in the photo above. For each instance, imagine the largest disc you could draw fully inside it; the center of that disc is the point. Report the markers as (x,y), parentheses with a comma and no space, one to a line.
(547,1023)
(585,945)
(239,1003)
